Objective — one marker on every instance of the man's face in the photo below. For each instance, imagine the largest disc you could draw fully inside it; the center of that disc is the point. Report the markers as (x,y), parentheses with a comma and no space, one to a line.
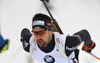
(42,36)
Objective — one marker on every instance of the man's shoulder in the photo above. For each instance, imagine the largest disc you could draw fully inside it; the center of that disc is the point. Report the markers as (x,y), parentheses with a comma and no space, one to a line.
(32,39)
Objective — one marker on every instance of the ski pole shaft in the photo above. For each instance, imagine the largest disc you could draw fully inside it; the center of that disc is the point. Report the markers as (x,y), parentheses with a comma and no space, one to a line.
(94,56)
(47,9)
(57,26)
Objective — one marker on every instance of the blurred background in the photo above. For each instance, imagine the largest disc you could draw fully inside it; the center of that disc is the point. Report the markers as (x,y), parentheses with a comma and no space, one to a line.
(72,16)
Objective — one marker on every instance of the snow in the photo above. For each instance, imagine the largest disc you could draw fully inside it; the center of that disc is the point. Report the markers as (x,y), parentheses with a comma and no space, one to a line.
(72,16)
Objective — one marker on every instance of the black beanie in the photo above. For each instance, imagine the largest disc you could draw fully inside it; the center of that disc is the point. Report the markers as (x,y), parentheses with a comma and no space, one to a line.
(41,21)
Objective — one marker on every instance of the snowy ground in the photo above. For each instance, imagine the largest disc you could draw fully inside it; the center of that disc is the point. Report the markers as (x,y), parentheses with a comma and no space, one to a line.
(72,16)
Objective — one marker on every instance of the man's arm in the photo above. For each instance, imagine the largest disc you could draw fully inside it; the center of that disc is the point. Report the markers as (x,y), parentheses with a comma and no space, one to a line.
(72,42)
(84,35)
(25,36)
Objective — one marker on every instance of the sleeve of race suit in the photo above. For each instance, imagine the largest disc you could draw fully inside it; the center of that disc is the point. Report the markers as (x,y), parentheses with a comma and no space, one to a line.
(84,35)
(72,42)
(25,36)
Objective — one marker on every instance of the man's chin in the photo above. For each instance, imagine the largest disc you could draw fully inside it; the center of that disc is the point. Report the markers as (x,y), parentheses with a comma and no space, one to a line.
(40,45)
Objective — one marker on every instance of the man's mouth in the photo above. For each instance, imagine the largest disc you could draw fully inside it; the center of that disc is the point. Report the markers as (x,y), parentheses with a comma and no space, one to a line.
(40,41)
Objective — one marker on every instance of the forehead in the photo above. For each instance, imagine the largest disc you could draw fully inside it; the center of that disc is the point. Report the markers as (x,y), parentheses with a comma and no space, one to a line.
(38,29)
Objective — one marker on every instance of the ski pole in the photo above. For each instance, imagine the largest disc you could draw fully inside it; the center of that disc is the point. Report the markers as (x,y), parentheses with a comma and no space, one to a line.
(94,56)
(56,24)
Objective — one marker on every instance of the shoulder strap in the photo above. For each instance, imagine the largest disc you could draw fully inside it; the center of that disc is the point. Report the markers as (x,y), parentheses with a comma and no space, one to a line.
(59,46)
(32,46)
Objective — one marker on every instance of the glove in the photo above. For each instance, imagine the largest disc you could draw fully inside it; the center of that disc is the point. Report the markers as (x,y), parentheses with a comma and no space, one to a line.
(5,47)
(88,48)
(25,36)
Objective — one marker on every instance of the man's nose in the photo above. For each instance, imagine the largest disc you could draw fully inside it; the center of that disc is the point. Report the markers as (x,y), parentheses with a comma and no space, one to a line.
(38,36)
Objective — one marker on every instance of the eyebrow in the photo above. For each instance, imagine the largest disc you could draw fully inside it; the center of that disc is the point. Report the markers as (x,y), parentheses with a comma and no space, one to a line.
(39,31)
